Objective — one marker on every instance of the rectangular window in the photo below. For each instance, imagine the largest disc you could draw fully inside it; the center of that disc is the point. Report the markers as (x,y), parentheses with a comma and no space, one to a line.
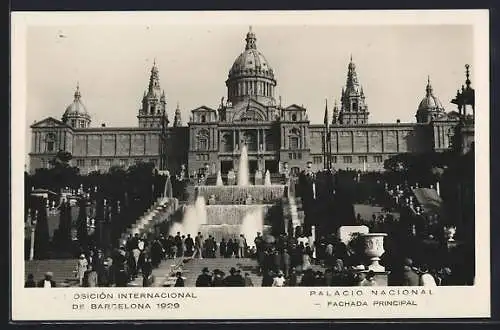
(317,159)
(362,159)
(377,159)
(94,162)
(294,142)
(197,157)
(80,162)
(123,162)
(299,155)
(109,162)
(334,159)
(347,159)
(290,155)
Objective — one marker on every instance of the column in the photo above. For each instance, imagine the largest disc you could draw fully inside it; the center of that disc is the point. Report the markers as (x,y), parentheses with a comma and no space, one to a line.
(263,140)
(234,140)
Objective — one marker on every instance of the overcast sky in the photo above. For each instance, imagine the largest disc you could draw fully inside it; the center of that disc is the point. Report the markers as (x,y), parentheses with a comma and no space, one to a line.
(112,65)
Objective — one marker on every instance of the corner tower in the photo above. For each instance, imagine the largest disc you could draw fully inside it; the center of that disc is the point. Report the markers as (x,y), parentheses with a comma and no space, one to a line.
(153,112)
(353,109)
(251,76)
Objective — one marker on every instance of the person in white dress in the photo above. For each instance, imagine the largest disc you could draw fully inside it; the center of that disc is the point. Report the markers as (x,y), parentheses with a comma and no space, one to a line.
(81,268)
(279,279)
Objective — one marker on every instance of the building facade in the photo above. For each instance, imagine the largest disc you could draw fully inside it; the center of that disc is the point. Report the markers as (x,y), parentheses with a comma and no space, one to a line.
(275,135)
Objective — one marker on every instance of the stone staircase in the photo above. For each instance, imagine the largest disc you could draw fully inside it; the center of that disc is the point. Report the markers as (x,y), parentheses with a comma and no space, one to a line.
(61,268)
(155,214)
(191,268)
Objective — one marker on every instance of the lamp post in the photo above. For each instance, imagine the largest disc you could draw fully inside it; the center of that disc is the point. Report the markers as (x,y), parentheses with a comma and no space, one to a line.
(32,239)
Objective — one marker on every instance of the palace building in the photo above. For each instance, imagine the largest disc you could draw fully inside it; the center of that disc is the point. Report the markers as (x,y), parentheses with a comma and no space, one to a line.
(275,135)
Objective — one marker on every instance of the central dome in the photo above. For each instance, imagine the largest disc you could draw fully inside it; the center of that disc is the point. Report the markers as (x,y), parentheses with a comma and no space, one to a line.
(251,76)
(251,60)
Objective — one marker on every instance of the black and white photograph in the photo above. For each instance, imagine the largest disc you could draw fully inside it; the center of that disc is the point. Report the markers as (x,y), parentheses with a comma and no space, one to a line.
(170,158)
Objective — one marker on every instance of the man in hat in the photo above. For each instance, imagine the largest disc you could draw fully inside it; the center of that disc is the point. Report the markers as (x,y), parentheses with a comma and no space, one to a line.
(47,282)
(204,280)
(218,280)
(231,279)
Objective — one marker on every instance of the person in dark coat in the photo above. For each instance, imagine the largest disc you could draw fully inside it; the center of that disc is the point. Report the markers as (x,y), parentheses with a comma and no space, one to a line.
(179,282)
(147,272)
(292,278)
(233,279)
(156,253)
(223,248)
(204,280)
(229,249)
(308,279)
(267,279)
(189,242)
(30,282)
(218,280)
(240,281)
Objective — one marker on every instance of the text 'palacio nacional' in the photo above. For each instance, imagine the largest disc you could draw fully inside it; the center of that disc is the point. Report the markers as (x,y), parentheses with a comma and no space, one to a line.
(250,114)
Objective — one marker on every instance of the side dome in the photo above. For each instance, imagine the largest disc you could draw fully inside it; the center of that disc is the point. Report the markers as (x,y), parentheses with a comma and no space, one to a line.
(251,75)
(430,102)
(76,114)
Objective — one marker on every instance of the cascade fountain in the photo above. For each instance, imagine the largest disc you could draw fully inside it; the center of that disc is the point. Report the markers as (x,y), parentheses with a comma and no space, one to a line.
(194,217)
(267,178)
(219,179)
(233,209)
(243,172)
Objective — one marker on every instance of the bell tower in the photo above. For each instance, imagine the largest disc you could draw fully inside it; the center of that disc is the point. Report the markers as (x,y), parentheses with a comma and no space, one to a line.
(153,112)
(354,110)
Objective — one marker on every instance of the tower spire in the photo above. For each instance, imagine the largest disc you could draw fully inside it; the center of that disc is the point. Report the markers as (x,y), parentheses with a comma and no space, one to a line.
(428,88)
(325,119)
(78,95)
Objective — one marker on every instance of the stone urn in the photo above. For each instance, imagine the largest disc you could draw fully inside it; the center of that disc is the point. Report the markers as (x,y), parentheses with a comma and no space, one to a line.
(374,249)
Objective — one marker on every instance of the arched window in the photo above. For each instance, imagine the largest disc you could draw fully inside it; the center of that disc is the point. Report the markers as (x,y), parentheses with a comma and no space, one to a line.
(203,140)
(355,106)
(203,118)
(294,117)
(50,142)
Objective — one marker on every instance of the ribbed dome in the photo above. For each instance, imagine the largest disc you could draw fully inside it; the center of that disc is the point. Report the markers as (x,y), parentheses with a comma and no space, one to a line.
(76,114)
(77,108)
(251,61)
(430,102)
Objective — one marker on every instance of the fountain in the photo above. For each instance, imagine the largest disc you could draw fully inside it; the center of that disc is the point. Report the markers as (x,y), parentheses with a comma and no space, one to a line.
(243,173)
(194,217)
(267,178)
(232,209)
(219,179)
